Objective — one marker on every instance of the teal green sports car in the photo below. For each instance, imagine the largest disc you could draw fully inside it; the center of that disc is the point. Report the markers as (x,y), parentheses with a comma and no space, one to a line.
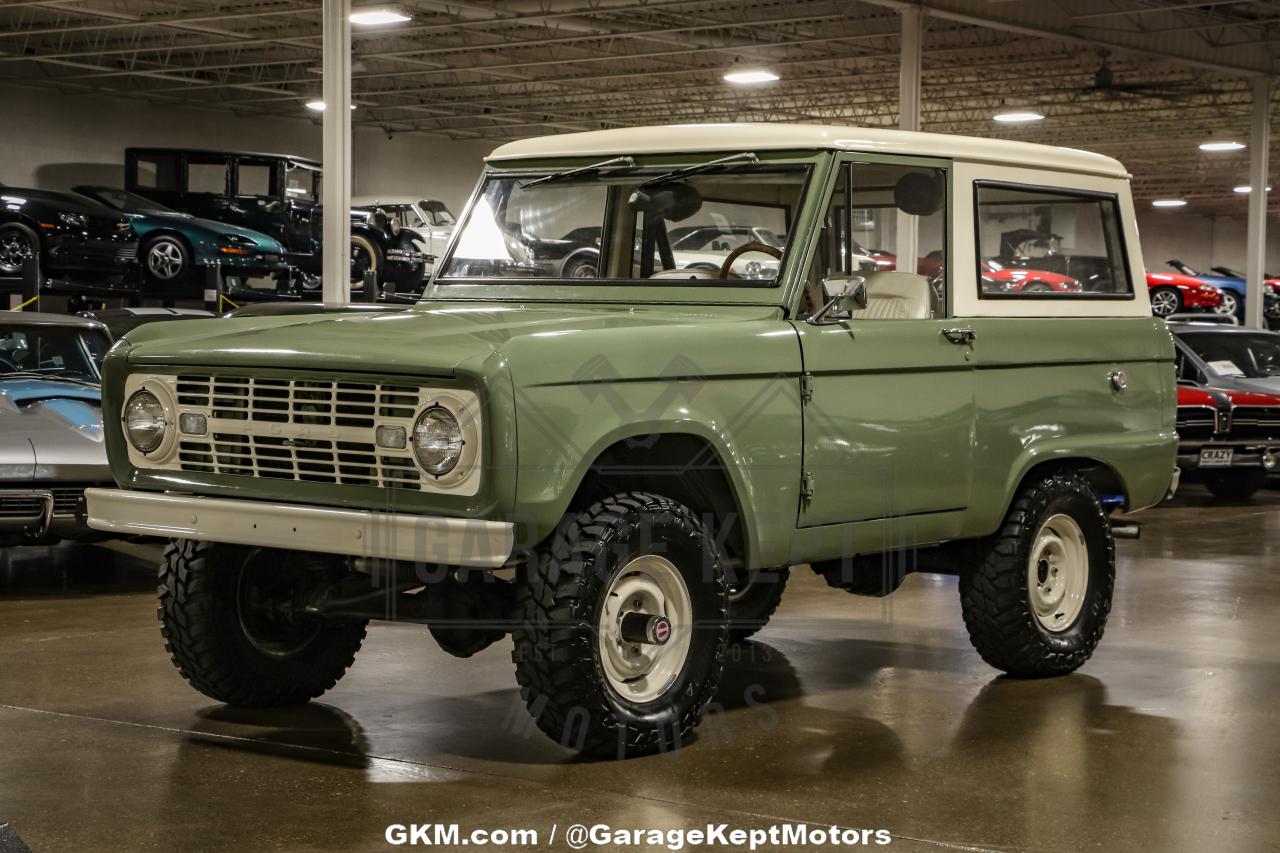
(172,245)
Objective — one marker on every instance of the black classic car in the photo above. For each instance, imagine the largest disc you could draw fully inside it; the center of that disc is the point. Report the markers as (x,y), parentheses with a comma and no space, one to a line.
(73,236)
(277,195)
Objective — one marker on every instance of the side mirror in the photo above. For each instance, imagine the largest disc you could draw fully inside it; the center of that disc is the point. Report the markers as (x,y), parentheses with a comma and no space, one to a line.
(850,295)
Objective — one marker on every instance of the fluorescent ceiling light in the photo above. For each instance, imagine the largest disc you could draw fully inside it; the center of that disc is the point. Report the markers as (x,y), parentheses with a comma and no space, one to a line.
(1169,202)
(1018,116)
(375,16)
(1246,189)
(318,106)
(1221,146)
(748,76)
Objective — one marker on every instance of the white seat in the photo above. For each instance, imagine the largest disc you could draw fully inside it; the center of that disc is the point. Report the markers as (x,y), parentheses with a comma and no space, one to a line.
(895,296)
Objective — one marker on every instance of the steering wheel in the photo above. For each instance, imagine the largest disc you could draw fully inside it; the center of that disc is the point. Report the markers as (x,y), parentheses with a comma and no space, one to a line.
(727,266)
(9,365)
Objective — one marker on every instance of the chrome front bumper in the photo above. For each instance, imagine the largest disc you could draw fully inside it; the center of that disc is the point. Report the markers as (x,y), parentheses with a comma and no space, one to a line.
(356,533)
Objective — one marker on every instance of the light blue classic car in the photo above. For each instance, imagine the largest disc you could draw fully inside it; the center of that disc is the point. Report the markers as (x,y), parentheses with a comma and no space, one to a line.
(50,425)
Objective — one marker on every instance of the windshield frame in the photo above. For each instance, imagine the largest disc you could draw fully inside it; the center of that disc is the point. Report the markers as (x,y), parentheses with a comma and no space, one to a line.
(811,164)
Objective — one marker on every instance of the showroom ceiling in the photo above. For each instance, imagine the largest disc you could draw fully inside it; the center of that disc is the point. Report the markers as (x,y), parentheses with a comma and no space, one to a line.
(1144,80)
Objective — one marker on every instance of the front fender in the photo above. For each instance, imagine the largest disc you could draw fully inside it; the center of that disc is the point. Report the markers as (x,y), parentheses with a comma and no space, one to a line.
(733,385)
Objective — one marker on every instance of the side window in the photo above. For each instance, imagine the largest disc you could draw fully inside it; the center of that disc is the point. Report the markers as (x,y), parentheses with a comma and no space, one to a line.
(207,177)
(880,213)
(158,172)
(1036,242)
(254,179)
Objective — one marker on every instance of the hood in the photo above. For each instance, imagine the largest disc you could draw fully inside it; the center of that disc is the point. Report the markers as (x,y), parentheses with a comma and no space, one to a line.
(60,437)
(68,202)
(432,339)
(186,222)
(1243,397)
(23,391)
(1177,279)
(1267,386)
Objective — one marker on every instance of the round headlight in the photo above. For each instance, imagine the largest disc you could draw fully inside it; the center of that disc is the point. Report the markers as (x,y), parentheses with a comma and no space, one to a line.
(437,441)
(144,421)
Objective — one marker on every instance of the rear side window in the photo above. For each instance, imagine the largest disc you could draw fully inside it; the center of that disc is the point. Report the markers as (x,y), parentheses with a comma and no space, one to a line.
(156,172)
(1049,243)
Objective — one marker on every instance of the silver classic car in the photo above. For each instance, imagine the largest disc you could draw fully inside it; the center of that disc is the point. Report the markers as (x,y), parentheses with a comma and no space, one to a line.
(50,425)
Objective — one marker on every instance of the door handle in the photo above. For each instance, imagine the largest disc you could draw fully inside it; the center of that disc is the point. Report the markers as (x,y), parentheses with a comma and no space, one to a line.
(960,336)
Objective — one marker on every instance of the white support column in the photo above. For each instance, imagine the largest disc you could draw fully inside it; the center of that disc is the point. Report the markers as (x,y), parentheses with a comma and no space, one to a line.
(908,239)
(335,196)
(1259,154)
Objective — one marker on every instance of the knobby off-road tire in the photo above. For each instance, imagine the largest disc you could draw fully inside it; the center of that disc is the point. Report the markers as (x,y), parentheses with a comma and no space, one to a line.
(226,648)
(753,604)
(1019,572)
(594,563)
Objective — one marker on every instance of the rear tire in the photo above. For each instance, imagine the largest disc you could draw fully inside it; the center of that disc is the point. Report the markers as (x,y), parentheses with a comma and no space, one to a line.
(586,687)
(1037,603)
(751,604)
(232,622)
(1235,485)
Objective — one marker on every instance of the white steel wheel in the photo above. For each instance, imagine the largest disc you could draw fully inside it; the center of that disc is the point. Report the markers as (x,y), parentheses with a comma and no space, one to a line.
(1058,573)
(642,672)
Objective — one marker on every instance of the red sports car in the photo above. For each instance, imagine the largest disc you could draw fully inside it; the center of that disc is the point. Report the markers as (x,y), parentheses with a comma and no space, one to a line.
(1228,440)
(997,278)
(1173,293)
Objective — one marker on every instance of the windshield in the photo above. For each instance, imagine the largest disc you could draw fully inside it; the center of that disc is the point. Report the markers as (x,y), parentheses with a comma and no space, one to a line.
(55,351)
(129,202)
(437,211)
(729,223)
(1253,356)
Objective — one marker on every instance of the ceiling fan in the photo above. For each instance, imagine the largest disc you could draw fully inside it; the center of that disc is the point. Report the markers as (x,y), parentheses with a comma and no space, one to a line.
(1107,85)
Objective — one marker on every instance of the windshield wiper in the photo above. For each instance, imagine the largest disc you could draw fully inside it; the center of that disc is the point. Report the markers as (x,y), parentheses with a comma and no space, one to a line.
(685,171)
(621,162)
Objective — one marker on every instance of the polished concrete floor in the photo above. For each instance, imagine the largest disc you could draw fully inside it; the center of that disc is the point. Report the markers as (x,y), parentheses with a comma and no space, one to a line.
(855,712)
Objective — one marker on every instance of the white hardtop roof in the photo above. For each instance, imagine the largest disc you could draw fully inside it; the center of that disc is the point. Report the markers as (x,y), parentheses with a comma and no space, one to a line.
(759,136)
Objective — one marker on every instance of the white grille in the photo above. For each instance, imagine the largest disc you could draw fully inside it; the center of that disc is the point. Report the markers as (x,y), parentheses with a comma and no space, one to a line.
(309,429)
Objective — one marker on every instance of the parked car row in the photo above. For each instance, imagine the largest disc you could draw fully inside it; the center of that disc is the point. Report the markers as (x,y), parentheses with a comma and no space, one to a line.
(181,211)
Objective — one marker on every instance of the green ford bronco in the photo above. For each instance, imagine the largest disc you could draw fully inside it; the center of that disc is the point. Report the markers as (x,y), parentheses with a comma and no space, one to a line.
(655,368)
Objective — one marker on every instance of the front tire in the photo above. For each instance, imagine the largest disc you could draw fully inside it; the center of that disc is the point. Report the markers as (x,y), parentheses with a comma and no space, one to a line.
(17,243)
(166,261)
(233,623)
(589,686)
(1237,485)
(1165,301)
(753,600)
(1037,603)
(365,257)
